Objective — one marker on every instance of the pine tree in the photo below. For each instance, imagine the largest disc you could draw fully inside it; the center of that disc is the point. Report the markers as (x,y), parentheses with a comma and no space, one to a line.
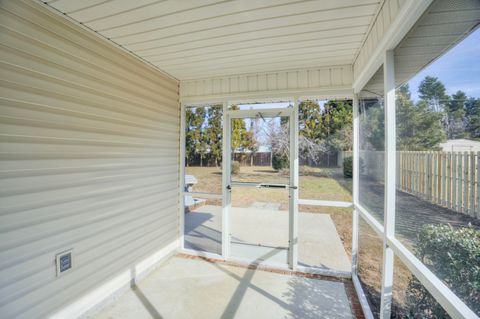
(432,91)
(214,133)
(418,126)
(455,112)
(472,107)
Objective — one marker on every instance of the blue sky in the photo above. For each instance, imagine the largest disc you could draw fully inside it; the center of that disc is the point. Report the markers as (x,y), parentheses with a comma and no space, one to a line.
(458,69)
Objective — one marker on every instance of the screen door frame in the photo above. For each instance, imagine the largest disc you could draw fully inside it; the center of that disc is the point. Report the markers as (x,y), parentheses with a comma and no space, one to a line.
(292,114)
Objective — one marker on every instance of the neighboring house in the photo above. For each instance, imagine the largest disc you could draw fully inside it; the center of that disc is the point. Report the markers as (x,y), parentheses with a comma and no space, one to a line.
(460,145)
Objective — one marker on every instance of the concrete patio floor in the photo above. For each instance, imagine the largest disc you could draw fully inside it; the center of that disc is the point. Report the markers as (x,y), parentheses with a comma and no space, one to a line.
(261,235)
(195,288)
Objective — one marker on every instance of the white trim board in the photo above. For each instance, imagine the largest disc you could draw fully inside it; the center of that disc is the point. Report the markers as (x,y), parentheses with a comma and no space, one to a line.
(326,203)
(404,21)
(331,81)
(109,291)
(321,93)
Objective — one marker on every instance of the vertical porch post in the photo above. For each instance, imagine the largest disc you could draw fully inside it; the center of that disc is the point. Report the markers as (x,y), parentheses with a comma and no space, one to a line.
(356,176)
(390,189)
(293,190)
(181,186)
(226,195)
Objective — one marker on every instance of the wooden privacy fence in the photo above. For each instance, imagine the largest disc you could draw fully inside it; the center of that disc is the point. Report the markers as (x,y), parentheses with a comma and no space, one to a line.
(449,179)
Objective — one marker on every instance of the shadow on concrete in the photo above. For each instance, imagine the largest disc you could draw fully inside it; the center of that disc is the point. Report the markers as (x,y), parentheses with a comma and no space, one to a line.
(142,298)
(198,236)
(245,283)
(317,299)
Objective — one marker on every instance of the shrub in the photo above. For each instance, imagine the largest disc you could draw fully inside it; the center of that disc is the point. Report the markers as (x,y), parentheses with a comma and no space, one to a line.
(279,162)
(348,167)
(235,167)
(453,255)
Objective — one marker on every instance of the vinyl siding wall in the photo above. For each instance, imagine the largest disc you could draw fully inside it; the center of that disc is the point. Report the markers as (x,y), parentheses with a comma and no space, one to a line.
(89,142)
(329,81)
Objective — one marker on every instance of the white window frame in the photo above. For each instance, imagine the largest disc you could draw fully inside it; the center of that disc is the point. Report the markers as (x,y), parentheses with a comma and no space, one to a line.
(226,164)
(454,306)
(392,247)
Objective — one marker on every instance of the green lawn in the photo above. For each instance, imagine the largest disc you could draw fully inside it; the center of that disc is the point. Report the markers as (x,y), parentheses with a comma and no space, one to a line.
(315,183)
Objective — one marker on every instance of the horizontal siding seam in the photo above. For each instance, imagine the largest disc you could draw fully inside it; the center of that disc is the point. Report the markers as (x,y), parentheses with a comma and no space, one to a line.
(42,13)
(76,86)
(17,86)
(72,113)
(81,60)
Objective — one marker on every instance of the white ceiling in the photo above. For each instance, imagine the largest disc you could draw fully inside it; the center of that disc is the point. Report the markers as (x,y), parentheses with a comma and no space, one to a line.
(202,38)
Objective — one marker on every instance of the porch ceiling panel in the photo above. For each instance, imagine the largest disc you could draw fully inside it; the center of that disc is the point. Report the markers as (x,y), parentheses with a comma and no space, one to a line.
(192,39)
(442,26)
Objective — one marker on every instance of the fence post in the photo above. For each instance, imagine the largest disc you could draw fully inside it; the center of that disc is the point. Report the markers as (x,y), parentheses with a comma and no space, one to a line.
(444,184)
(407,171)
(477,214)
(459,182)
(449,179)
(471,209)
(414,172)
(422,158)
(425,175)
(465,182)
(435,177)
(428,177)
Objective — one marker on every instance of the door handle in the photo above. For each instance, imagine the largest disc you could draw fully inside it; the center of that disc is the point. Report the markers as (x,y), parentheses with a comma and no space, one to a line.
(272,186)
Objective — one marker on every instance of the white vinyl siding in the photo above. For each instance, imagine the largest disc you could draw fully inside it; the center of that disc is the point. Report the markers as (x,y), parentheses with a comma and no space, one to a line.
(329,81)
(89,160)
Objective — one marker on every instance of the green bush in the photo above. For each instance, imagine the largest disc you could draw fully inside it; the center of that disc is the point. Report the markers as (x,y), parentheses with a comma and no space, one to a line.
(453,255)
(279,162)
(235,167)
(348,167)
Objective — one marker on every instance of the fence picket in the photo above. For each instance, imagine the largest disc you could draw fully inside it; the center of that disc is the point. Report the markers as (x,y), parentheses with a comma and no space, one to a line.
(435,177)
(417,175)
(466,161)
(454,181)
(477,214)
(460,182)
(428,176)
(471,208)
(444,179)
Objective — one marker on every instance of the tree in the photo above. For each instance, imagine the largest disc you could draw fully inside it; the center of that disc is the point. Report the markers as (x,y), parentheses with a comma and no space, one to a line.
(432,91)
(279,140)
(372,123)
(456,121)
(472,110)
(418,126)
(242,139)
(214,133)
(189,143)
(324,129)
(194,138)
(339,125)
(199,136)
